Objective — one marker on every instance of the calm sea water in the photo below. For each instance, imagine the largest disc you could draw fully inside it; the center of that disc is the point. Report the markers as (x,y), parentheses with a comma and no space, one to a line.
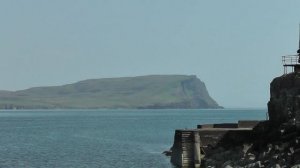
(100,138)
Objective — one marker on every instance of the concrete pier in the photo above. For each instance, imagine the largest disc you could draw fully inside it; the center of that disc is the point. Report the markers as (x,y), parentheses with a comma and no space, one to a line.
(190,145)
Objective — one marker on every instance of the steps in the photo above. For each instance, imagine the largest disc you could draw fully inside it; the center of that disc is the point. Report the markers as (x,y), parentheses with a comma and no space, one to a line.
(186,149)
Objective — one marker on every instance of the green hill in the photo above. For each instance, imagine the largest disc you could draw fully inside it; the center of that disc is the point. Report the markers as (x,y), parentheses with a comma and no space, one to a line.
(155,91)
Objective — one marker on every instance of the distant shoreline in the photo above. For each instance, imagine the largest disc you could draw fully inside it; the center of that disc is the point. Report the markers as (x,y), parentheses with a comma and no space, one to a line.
(102,109)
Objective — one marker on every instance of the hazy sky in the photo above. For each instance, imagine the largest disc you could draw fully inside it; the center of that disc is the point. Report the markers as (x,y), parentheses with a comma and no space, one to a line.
(234,46)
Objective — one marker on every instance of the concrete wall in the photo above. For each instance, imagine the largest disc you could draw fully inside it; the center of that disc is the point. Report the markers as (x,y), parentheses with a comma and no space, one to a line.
(186,149)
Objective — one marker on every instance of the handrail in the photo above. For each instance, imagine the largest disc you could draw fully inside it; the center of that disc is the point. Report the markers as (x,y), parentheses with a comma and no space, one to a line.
(290,60)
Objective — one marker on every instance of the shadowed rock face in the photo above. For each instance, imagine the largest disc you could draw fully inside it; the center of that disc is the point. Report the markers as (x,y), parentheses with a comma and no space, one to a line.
(143,92)
(284,104)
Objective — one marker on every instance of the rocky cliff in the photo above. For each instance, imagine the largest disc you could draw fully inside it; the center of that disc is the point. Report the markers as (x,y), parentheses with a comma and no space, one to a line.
(284,104)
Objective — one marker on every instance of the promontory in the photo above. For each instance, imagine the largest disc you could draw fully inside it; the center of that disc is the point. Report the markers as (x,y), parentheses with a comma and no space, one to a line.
(142,92)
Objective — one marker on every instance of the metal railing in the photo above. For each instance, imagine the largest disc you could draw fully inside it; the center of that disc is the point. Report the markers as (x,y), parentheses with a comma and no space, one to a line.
(289,60)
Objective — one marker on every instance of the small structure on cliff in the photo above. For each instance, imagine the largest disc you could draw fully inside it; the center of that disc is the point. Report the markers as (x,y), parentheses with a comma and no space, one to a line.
(284,104)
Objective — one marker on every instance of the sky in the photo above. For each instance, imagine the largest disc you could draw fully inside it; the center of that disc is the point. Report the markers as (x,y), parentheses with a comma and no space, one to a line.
(234,46)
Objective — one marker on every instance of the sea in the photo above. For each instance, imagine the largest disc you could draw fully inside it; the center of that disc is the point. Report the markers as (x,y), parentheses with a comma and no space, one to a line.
(100,138)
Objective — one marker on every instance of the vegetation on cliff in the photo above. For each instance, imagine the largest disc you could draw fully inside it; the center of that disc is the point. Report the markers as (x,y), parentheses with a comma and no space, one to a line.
(155,91)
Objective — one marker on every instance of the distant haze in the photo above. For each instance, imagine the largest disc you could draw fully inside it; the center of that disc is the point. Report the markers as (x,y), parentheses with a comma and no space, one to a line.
(235,47)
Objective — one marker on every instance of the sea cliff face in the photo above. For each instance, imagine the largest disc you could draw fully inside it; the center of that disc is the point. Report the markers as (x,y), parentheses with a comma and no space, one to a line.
(192,93)
(143,92)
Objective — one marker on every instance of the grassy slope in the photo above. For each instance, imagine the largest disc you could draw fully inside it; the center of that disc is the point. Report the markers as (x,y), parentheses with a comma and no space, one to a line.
(128,92)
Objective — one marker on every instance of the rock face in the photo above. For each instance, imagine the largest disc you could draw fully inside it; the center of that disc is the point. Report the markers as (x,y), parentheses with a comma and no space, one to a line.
(143,92)
(284,104)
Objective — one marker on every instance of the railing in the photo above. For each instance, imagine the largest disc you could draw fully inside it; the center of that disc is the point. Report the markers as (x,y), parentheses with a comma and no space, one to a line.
(290,60)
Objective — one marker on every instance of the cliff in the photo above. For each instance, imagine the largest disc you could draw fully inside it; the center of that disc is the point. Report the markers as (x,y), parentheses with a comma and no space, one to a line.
(146,92)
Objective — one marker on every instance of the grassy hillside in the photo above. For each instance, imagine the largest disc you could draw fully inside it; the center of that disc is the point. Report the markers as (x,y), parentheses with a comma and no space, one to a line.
(155,91)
